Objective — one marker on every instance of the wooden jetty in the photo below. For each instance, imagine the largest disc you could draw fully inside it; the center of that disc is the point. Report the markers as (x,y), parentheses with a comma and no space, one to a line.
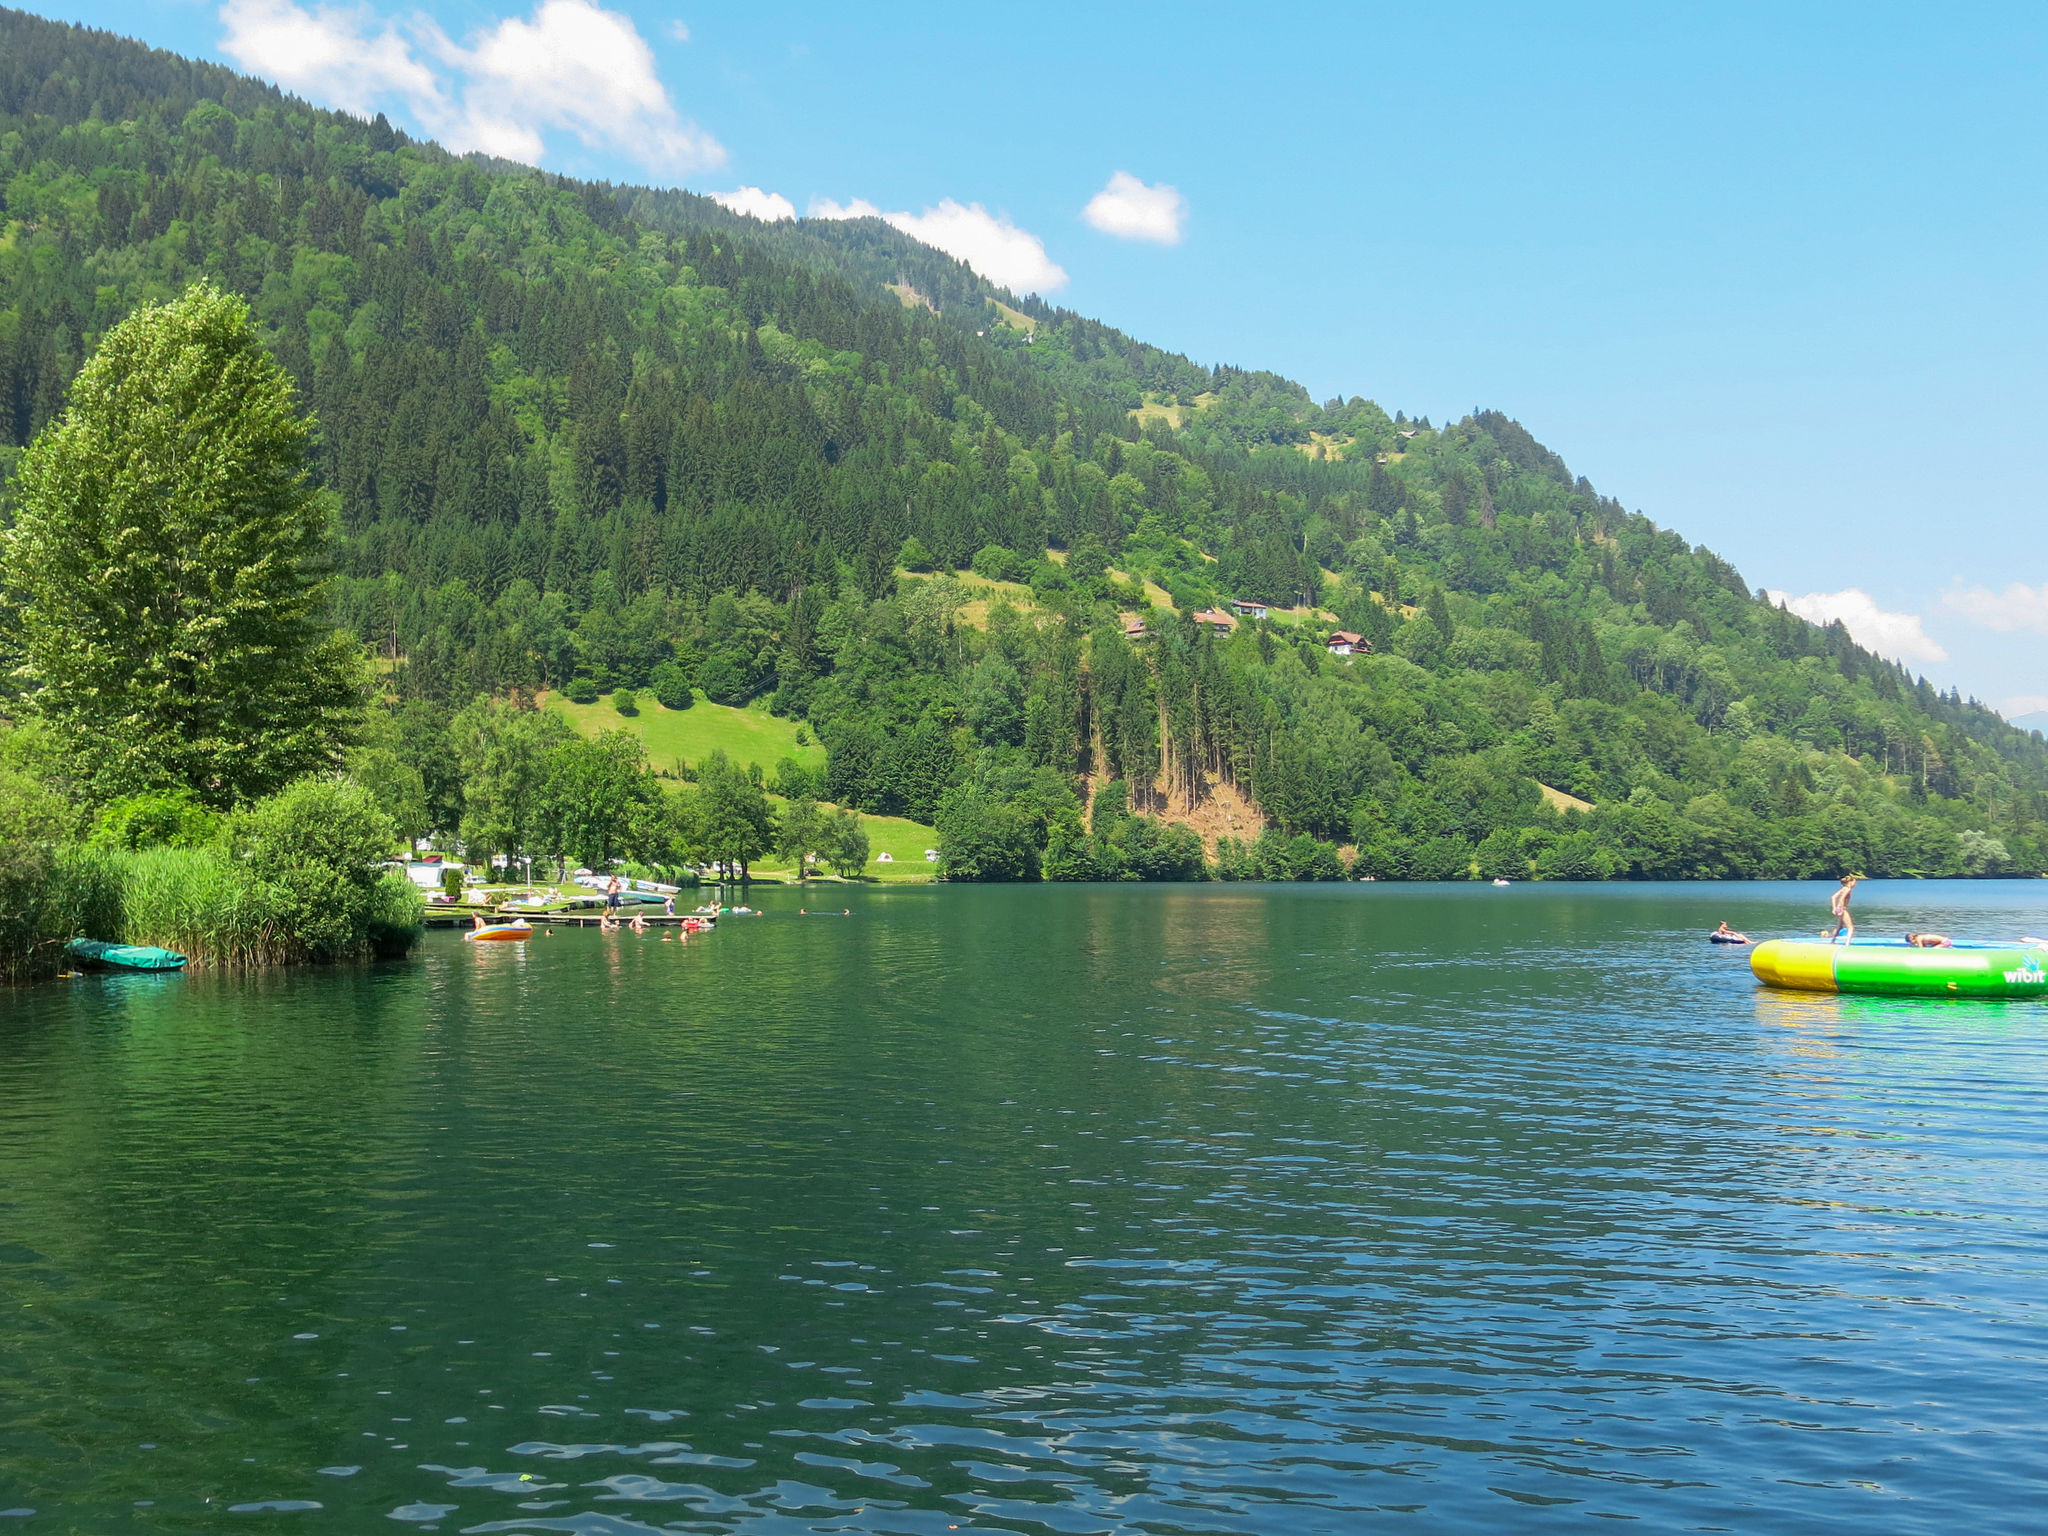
(435,919)
(592,919)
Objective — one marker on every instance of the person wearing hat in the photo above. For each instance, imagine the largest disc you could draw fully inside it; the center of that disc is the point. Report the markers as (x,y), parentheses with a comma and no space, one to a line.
(1845,924)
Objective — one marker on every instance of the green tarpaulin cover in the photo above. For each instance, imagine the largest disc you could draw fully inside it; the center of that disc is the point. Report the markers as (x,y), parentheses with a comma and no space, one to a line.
(126,957)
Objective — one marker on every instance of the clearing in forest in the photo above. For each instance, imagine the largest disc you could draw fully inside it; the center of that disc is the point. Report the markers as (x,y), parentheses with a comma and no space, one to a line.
(744,735)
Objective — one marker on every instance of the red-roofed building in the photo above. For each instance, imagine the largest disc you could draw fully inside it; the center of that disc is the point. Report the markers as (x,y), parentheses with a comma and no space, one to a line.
(1216,619)
(1345,643)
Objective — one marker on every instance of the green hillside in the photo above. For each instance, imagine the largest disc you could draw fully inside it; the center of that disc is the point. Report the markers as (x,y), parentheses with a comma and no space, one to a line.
(585,431)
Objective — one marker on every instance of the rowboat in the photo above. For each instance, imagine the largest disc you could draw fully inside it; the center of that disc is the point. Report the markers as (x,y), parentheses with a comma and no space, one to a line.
(124,957)
(1891,968)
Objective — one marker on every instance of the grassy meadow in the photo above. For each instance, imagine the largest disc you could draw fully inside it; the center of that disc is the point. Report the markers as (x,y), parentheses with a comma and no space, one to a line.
(905,839)
(691,735)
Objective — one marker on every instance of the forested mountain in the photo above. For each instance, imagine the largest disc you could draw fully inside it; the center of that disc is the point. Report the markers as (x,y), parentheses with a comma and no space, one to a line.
(589,436)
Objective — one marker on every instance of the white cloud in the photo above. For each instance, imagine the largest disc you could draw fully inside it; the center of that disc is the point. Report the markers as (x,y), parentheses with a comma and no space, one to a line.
(571,66)
(1898,635)
(997,249)
(679,30)
(2018,607)
(1130,210)
(342,56)
(859,208)
(768,207)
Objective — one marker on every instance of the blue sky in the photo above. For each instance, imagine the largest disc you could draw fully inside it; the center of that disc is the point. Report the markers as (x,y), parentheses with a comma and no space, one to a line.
(1772,274)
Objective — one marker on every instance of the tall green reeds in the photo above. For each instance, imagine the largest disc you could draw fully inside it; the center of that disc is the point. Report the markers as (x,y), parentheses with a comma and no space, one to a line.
(200,903)
(48,898)
(216,911)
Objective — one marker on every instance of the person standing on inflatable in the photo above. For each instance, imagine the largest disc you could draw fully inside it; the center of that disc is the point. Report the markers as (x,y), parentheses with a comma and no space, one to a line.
(1845,924)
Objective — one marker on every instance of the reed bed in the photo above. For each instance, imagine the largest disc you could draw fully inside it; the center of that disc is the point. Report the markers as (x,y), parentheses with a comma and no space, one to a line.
(46,899)
(198,902)
(202,902)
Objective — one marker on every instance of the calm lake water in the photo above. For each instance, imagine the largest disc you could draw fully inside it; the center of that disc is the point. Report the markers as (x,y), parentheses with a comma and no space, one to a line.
(1048,1210)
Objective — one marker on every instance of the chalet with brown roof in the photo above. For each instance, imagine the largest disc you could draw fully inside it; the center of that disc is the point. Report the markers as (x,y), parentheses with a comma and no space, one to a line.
(1216,619)
(1246,608)
(1344,643)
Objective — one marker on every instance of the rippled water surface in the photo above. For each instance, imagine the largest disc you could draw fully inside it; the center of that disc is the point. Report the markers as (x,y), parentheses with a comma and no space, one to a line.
(1233,1209)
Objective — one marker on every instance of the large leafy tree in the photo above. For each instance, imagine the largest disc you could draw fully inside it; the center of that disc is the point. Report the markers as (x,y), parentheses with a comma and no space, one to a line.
(506,755)
(737,826)
(599,802)
(166,556)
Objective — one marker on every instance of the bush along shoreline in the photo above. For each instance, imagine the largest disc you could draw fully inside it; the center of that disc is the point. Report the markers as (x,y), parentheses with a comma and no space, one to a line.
(298,877)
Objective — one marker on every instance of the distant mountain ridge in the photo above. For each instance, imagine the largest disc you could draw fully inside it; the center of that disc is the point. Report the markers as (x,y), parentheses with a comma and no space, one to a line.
(615,436)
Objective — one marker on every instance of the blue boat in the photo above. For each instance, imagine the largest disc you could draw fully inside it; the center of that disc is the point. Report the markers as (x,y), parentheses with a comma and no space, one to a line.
(124,957)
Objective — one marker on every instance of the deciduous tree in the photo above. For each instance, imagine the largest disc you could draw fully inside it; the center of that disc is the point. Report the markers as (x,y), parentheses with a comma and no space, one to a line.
(167,551)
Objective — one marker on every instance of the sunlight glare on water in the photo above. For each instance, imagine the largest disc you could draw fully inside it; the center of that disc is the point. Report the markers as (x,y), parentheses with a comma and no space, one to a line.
(1059,1210)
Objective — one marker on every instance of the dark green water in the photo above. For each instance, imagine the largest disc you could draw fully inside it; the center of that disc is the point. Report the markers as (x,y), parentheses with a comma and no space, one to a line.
(1238,1209)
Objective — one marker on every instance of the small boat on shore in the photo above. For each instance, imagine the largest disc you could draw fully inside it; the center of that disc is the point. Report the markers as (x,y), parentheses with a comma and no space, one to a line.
(1890,968)
(124,957)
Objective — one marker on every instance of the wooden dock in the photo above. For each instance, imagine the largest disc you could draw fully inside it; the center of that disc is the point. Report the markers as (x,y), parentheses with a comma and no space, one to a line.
(564,919)
(592,919)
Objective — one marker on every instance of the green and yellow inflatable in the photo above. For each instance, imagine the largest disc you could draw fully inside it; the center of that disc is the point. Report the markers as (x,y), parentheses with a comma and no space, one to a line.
(1895,969)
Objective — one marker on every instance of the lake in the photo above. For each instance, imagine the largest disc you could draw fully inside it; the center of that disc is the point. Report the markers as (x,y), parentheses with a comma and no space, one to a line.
(1047,1209)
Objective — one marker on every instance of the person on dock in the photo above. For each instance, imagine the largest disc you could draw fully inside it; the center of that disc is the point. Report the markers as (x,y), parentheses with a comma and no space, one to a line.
(1844,930)
(1930,941)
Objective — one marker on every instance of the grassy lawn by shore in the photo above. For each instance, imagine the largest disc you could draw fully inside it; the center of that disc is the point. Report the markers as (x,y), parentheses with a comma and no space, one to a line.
(905,840)
(744,735)
(750,736)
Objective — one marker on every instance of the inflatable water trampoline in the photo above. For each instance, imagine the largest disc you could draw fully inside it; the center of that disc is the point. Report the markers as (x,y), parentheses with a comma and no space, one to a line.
(1892,968)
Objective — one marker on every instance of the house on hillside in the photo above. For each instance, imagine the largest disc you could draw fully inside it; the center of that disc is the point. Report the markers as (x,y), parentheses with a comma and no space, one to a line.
(1215,620)
(1245,608)
(1344,643)
(1136,630)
